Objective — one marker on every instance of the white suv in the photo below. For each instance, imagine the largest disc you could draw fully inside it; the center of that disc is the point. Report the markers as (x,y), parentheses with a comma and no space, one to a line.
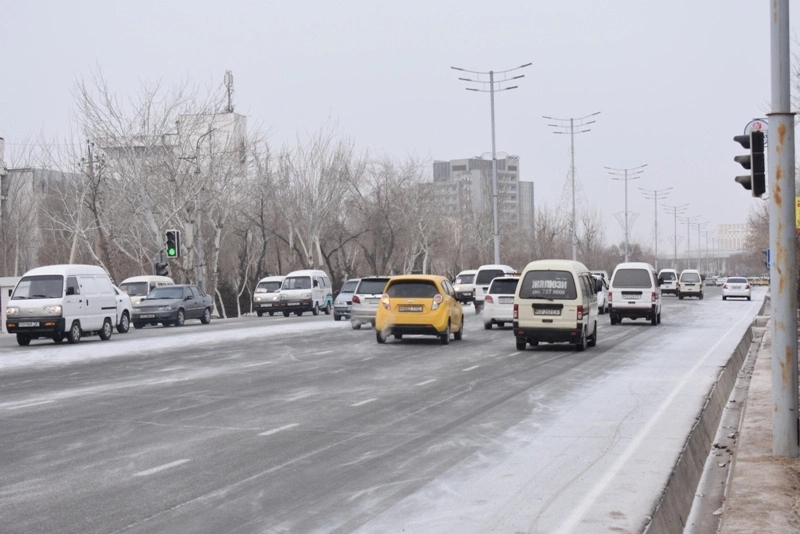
(634,293)
(365,300)
(484,277)
(668,281)
(498,302)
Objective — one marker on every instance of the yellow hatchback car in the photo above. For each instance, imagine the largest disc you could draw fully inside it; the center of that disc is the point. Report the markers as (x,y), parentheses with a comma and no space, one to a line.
(419,305)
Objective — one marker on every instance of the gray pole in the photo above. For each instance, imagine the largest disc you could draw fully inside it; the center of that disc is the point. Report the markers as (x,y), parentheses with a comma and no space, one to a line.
(631,173)
(626,214)
(656,195)
(572,172)
(783,269)
(495,218)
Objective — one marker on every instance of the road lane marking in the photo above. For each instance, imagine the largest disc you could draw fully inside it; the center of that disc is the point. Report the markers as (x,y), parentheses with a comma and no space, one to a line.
(362,403)
(29,405)
(259,363)
(161,468)
(471,368)
(279,429)
(323,352)
(426,382)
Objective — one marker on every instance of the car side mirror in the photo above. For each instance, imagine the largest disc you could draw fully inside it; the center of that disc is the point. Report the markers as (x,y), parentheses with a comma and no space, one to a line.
(187,297)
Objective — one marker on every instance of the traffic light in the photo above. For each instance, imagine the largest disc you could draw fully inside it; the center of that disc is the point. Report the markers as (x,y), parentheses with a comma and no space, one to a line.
(754,161)
(173,243)
(162,269)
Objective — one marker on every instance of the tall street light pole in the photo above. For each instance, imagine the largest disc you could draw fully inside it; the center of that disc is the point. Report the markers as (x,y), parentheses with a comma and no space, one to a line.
(689,221)
(631,173)
(504,77)
(655,195)
(568,126)
(675,211)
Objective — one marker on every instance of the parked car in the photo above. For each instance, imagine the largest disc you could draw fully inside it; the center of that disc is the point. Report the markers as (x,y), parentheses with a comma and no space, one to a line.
(464,285)
(634,293)
(267,294)
(365,300)
(668,281)
(690,284)
(172,305)
(419,305)
(138,287)
(124,311)
(483,277)
(343,302)
(735,286)
(498,303)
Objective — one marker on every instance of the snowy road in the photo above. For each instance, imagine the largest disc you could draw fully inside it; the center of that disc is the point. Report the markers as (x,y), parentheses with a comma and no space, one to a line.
(304,425)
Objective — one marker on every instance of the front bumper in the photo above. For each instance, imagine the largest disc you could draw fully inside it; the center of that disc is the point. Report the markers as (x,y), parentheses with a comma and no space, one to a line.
(154,316)
(294,305)
(43,325)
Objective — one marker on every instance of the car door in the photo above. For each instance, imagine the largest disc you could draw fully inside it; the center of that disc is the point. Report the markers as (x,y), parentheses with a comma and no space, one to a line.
(194,306)
(453,306)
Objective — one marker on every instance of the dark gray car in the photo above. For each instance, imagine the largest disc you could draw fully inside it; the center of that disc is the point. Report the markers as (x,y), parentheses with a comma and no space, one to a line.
(172,305)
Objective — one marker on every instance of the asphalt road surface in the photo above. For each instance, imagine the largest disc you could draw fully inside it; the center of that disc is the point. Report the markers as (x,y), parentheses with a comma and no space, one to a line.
(302,424)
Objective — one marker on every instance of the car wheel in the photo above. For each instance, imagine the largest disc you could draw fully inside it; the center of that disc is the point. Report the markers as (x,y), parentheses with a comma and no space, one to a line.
(445,336)
(23,340)
(315,311)
(105,332)
(181,318)
(593,338)
(501,324)
(124,323)
(601,310)
(654,319)
(582,342)
(458,335)
(701,296)
(398,336)
(487,325)
(328,309)
(259,313)
(659,317)
(74,334)
(380,337)
(271,314)
(206,318)
(286,314)
(355,325)
(299,313)
(614,319)
(521,343)
(748,298)
(337,317)
(725,298)
(680,296)
(478,308)
(137,325)
(58,338)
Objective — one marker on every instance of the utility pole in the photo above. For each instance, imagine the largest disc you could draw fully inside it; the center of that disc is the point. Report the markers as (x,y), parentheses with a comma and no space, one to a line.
(631,173)
(700,227)
(690,221)
(675,211)
(563,128)
(505,76)
(783,268)
(655,195)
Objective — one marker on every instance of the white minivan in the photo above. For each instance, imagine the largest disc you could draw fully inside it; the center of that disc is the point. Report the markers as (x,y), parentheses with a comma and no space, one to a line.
(634,293)
(555,302)
(62,302)
(267,294)
(138,287)
(305,290)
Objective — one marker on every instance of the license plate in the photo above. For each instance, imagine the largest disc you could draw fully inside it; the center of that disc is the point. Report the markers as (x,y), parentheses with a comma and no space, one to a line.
(407,308)
(631,295)
(27,324)
(147,316)
(506,300)
(266,305)
(294,304)
(373,301)
(546,311)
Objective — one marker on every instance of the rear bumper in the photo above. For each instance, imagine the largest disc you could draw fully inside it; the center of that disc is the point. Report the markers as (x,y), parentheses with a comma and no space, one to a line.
(634,312)
(549,335)
(413,329)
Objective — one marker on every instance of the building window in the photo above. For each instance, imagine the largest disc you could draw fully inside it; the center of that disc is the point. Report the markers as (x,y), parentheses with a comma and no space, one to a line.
(459,167)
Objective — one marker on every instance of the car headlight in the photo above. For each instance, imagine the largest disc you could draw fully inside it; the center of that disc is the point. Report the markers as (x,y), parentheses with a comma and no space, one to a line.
(12,310)
(305,296)
(257,299)
(163,308)
(52,310)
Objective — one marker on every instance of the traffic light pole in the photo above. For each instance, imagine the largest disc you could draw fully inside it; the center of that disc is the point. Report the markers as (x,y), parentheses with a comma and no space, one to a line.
(783,271)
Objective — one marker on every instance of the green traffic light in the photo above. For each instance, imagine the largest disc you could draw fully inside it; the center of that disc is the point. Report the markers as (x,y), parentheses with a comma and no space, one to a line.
(171,252)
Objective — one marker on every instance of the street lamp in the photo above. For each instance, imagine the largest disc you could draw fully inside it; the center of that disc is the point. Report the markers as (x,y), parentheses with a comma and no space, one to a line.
(656,195)
(630,173)
(505,76)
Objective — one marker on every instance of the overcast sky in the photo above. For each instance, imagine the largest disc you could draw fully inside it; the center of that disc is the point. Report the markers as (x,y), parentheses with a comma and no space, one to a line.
(674,82)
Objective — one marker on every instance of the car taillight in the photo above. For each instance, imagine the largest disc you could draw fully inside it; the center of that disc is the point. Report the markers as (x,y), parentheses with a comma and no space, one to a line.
(489,299)
(356,299)
(653,296)
(516,311)
(437,299)
(580,312)
(609,296)
(725,286)
(385,301)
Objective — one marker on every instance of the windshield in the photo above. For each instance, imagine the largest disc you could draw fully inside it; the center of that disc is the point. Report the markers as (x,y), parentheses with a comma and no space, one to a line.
(633,278)
(49,286)
(268,287)
(548,285)
(166,293)
(372,287)
(504,286)
(736,281)
(134,289)
(465,279)
(412,289)
(297,282)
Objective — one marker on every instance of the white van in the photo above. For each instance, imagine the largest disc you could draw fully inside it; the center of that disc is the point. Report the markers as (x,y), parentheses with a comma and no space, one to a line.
(668,281)
(305,290)
(62,302)
(634,293)
(267,294)
(138,287)
(556,301)
(690,284)
(483,277)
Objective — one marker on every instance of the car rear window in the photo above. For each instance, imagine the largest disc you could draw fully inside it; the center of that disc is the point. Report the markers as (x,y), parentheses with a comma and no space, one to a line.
(487,275)
(504,286)
(733,280)
(350,286)
(633,278)
(554,285)
(134,289)
(372,287)
(690,277)
(412,289)
(668,276)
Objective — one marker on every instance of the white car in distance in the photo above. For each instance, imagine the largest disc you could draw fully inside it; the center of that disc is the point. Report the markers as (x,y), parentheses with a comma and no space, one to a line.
(735,286)
(499,302)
